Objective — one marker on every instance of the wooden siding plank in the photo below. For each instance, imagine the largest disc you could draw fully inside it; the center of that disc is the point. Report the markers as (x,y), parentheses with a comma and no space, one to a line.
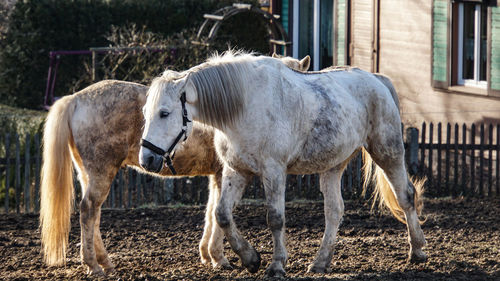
(361,34)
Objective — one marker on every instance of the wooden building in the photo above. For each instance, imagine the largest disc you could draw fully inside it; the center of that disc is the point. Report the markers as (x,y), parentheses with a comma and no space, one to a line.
(443,56)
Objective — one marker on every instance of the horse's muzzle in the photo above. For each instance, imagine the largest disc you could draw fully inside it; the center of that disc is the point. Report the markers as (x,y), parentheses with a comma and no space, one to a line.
(151,162)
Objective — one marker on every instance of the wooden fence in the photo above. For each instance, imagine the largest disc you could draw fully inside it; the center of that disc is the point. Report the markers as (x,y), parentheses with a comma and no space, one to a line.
(457,160)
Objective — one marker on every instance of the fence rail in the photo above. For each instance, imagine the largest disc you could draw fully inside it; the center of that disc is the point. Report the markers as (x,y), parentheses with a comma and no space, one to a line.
(458,160)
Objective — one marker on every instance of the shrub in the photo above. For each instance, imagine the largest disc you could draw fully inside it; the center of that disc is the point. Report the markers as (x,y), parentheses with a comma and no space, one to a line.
(37,27)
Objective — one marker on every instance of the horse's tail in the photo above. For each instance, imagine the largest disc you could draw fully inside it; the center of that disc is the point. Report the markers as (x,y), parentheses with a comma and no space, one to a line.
(383,193)
(387,82)
(56,192)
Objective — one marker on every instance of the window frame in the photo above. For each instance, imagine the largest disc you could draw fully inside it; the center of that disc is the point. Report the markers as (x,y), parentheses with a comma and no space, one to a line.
(460,81)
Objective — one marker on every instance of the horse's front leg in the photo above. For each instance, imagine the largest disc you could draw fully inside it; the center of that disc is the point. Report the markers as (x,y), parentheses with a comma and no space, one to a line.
(274,181)
(233,186)
(334,210)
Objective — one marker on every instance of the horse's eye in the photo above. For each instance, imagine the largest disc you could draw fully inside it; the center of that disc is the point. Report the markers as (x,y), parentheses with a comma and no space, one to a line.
(163,114)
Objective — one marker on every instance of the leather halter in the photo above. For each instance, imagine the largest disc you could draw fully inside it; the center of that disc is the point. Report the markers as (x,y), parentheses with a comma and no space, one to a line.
(166,154)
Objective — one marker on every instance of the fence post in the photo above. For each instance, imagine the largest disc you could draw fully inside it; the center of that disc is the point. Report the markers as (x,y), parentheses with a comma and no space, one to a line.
(359,167)
(429,169)
(439,189)
(447,160)
(456,152)
(7,171)
(18,174)
(472,158)
(112,193)
(481,160)
(490,159)
(412,159)
(169,187)
(464,159)
(130,186)
(497,166)
(121,182)
(27,174)
(422,149)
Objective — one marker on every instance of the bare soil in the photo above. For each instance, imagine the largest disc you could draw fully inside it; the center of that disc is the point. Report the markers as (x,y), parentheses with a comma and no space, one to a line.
(463,237)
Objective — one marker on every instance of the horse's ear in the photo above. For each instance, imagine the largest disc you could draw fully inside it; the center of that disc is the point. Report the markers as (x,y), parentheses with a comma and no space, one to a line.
(190,89)
(305,63)
(274,55)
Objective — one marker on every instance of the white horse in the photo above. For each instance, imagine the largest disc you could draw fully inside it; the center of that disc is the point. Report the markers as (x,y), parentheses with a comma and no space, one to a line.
(271,120)
(87,129)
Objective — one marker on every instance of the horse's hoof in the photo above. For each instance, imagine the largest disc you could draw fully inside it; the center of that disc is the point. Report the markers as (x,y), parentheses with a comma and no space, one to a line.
(96,272)
(204,255)
(275,271)
(418,256)
(110,270)
(205,260)
(253,264)
(222,264)
(316,269)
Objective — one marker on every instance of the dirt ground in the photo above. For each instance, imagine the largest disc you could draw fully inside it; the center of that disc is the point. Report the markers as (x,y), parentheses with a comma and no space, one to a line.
(463,237)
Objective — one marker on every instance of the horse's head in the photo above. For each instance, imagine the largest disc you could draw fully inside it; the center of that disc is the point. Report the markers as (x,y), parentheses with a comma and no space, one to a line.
(168,115)
(300,65)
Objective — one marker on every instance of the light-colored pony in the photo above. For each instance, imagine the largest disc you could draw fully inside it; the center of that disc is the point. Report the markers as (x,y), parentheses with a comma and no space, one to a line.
(272,120)
(98,131)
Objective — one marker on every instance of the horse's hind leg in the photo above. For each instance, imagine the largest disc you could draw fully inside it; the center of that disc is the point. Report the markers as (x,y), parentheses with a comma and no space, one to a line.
(207,230)
(334,210)
(216,246)
(92,249)
(391,160)
(100,251)
(405,194)
(211,244)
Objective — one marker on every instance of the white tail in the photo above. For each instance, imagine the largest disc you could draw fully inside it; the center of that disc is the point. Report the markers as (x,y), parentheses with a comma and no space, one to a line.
(383,192)
(56,192)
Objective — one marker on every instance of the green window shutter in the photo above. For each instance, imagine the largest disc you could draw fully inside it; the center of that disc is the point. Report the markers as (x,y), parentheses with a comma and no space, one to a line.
(284,14)
(495,49)
(341,32)
(440,43)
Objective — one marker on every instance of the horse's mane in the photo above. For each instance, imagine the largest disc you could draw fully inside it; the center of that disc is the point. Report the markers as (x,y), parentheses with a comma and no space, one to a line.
(220,85)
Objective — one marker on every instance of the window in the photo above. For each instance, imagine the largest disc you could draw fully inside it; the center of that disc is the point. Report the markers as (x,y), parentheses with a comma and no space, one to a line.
(326,33)
(471,45)
(313,31)
(465,49)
